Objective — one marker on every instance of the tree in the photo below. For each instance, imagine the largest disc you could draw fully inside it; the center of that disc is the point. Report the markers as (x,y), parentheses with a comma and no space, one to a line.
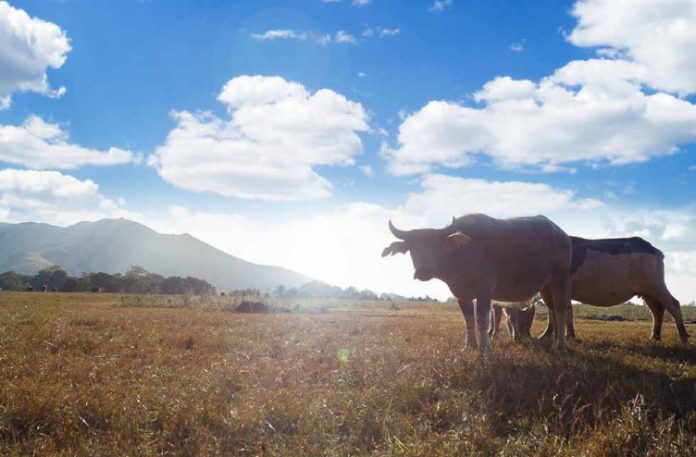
(10,280)
(70,285)
(174,285)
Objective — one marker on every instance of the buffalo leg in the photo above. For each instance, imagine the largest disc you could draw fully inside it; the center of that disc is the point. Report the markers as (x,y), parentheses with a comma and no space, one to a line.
(561,302)
(514,323)
(483,314)
(496,317)
(672,306)
(467,308)
(570,329)
(510,318)
(658,312)
(548,301)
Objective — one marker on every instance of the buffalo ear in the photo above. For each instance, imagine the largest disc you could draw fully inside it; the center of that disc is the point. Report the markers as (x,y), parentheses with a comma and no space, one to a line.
(456,240)
(395,248)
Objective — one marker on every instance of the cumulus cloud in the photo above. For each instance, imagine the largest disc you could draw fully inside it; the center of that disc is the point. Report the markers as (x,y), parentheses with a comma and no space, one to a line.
(277,131)
(619,108)
(28,47)
(586,111)
(53,197)
(40,144)
(657,35)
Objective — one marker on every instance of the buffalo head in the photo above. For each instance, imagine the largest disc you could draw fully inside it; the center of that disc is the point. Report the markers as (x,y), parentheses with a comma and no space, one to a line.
(430,248)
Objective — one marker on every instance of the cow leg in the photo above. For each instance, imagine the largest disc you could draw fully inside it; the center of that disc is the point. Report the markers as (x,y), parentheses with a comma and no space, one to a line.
(467,308)
(672,306)
(561,302)
(528,330)
(658,312)
(548,301)
(496,317)
(514,323)
(675,311)
(483,314)
(508,323)
(570,329)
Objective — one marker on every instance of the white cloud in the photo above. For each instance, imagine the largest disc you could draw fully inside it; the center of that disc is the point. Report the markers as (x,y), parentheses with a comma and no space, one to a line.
(28,47)
(612,109)
(383,33)
(53,197)
(367,171)
(440,5)
(276,132)
(657,35)
(279,34)
(586,111)
(380,32)
(506,88)
(323,39)
(40,144)
(517,47)
(445,196)
(344,37)
(341,36)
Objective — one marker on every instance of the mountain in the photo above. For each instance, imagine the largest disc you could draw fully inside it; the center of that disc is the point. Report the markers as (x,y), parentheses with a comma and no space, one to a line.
(114,245)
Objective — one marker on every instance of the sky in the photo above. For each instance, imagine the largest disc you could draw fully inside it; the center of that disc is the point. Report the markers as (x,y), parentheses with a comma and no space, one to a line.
(289,133)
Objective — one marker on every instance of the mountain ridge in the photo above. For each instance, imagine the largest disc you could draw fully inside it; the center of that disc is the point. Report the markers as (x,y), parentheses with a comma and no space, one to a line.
(114,245)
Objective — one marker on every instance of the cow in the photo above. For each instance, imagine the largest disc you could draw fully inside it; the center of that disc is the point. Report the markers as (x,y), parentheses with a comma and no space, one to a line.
(520,317)
(482,258)
(608,272)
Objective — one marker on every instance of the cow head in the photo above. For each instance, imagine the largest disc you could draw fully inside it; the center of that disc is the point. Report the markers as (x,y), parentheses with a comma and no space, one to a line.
(430,249)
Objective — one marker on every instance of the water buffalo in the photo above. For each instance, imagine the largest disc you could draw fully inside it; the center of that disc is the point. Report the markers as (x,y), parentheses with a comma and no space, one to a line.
(481,258)
(608,272)
(520,317)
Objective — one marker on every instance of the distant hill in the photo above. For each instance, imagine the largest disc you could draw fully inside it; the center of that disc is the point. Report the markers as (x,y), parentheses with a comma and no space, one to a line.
(114,245)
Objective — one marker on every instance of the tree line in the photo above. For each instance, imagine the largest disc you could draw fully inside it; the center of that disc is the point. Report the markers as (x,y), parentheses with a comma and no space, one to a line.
(318,289)
(134,281)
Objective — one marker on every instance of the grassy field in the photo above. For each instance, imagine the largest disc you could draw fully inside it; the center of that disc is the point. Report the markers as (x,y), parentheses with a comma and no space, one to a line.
(84,375)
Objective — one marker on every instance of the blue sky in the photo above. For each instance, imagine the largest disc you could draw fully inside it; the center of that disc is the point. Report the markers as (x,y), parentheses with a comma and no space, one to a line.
(289,132)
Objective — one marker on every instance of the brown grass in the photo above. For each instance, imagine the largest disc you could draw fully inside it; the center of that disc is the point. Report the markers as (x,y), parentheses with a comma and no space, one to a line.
(82,375)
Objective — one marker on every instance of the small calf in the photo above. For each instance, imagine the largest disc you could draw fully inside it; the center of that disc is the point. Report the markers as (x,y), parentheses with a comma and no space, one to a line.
(520,317)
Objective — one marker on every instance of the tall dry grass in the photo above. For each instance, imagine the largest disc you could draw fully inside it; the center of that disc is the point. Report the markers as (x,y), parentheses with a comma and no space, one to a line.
(82,375)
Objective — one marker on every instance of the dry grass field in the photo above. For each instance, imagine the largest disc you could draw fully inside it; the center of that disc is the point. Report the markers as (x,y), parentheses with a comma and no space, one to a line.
(83,375)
